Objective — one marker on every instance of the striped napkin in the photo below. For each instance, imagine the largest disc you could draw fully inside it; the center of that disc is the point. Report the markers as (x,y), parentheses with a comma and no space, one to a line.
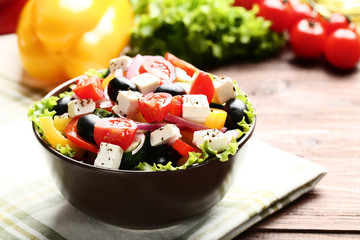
(31,206)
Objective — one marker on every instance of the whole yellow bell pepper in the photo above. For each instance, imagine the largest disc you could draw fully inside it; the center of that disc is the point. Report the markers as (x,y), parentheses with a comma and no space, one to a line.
(61,39)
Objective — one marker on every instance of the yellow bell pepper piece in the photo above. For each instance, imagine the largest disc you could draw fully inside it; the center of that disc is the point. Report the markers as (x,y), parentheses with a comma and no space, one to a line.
(62,39)
(60,123)
(106,81)
(216,118)
(53,136)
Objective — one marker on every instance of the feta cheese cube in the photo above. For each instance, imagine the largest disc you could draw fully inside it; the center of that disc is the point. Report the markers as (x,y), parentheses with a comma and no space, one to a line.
(109,156)
(122,63)
(167,134)
(182,76)
(218,141)
(146,82)
(224,89)
(118,73)
(195,108)
(127,103)
(79,107)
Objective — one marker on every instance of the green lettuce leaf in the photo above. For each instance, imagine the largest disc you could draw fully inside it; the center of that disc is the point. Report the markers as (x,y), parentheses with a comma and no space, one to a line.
(101,74)
(67,150)
(194,158)
(43,108)
(40,109)
(203,32)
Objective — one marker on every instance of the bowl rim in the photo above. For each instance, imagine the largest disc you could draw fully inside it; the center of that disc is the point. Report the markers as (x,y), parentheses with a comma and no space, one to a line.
(62,87)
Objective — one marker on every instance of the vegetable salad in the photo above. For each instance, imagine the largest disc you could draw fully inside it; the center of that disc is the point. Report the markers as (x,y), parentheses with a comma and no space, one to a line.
(145,113)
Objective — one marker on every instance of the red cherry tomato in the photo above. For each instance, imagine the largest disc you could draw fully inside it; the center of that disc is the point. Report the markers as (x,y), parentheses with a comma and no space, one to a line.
(161,68)
(299,11)
(203,84)
(342,48)
(247,4)
(155,106)
(72,135)
(276,11)
(353,27)
(89,88)
(118,131)
(177,62)
(336,21)
(307,38)
(176,106)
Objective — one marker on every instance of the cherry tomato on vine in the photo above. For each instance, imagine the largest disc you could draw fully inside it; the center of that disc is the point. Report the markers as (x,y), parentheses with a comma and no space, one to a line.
(247,4)
(342,48)
(307,38)
(336,21)
(276,11)
(299,11)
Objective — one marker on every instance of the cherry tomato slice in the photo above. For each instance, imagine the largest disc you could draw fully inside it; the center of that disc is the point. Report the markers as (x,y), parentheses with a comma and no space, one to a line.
(161,68)
(177,62)
(176,105)
(117,131)
(89,88)
(203,84)
(73,136)
(182,147)
(155,106)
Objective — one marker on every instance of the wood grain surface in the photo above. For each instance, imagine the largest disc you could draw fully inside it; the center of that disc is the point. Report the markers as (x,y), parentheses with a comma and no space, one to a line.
(313,111)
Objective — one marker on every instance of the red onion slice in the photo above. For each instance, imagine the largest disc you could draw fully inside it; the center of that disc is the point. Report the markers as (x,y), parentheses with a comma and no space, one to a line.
(232,134)
(136,63)
(134,66)
(175,119)
(153,126)
(141,137)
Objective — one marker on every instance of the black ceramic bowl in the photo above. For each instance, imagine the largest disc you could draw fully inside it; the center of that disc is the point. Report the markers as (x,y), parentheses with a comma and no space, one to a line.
(141,199)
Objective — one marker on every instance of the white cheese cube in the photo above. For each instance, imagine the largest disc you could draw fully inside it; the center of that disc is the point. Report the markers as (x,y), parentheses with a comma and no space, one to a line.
(79,107)
(195,108)
(218,141)
(118,73)
(167,134)
(224,89)
(182,76)
(109,156)
(146,82)
(127,103)
(122,63)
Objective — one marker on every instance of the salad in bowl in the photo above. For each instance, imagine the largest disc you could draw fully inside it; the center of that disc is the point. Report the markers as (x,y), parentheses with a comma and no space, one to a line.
(147,143)
(146,113)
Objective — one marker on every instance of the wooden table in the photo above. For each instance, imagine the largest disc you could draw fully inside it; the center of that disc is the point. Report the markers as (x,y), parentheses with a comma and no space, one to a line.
(313,111)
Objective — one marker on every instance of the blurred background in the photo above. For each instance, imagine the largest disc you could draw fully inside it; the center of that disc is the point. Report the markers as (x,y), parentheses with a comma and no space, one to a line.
(70,37)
